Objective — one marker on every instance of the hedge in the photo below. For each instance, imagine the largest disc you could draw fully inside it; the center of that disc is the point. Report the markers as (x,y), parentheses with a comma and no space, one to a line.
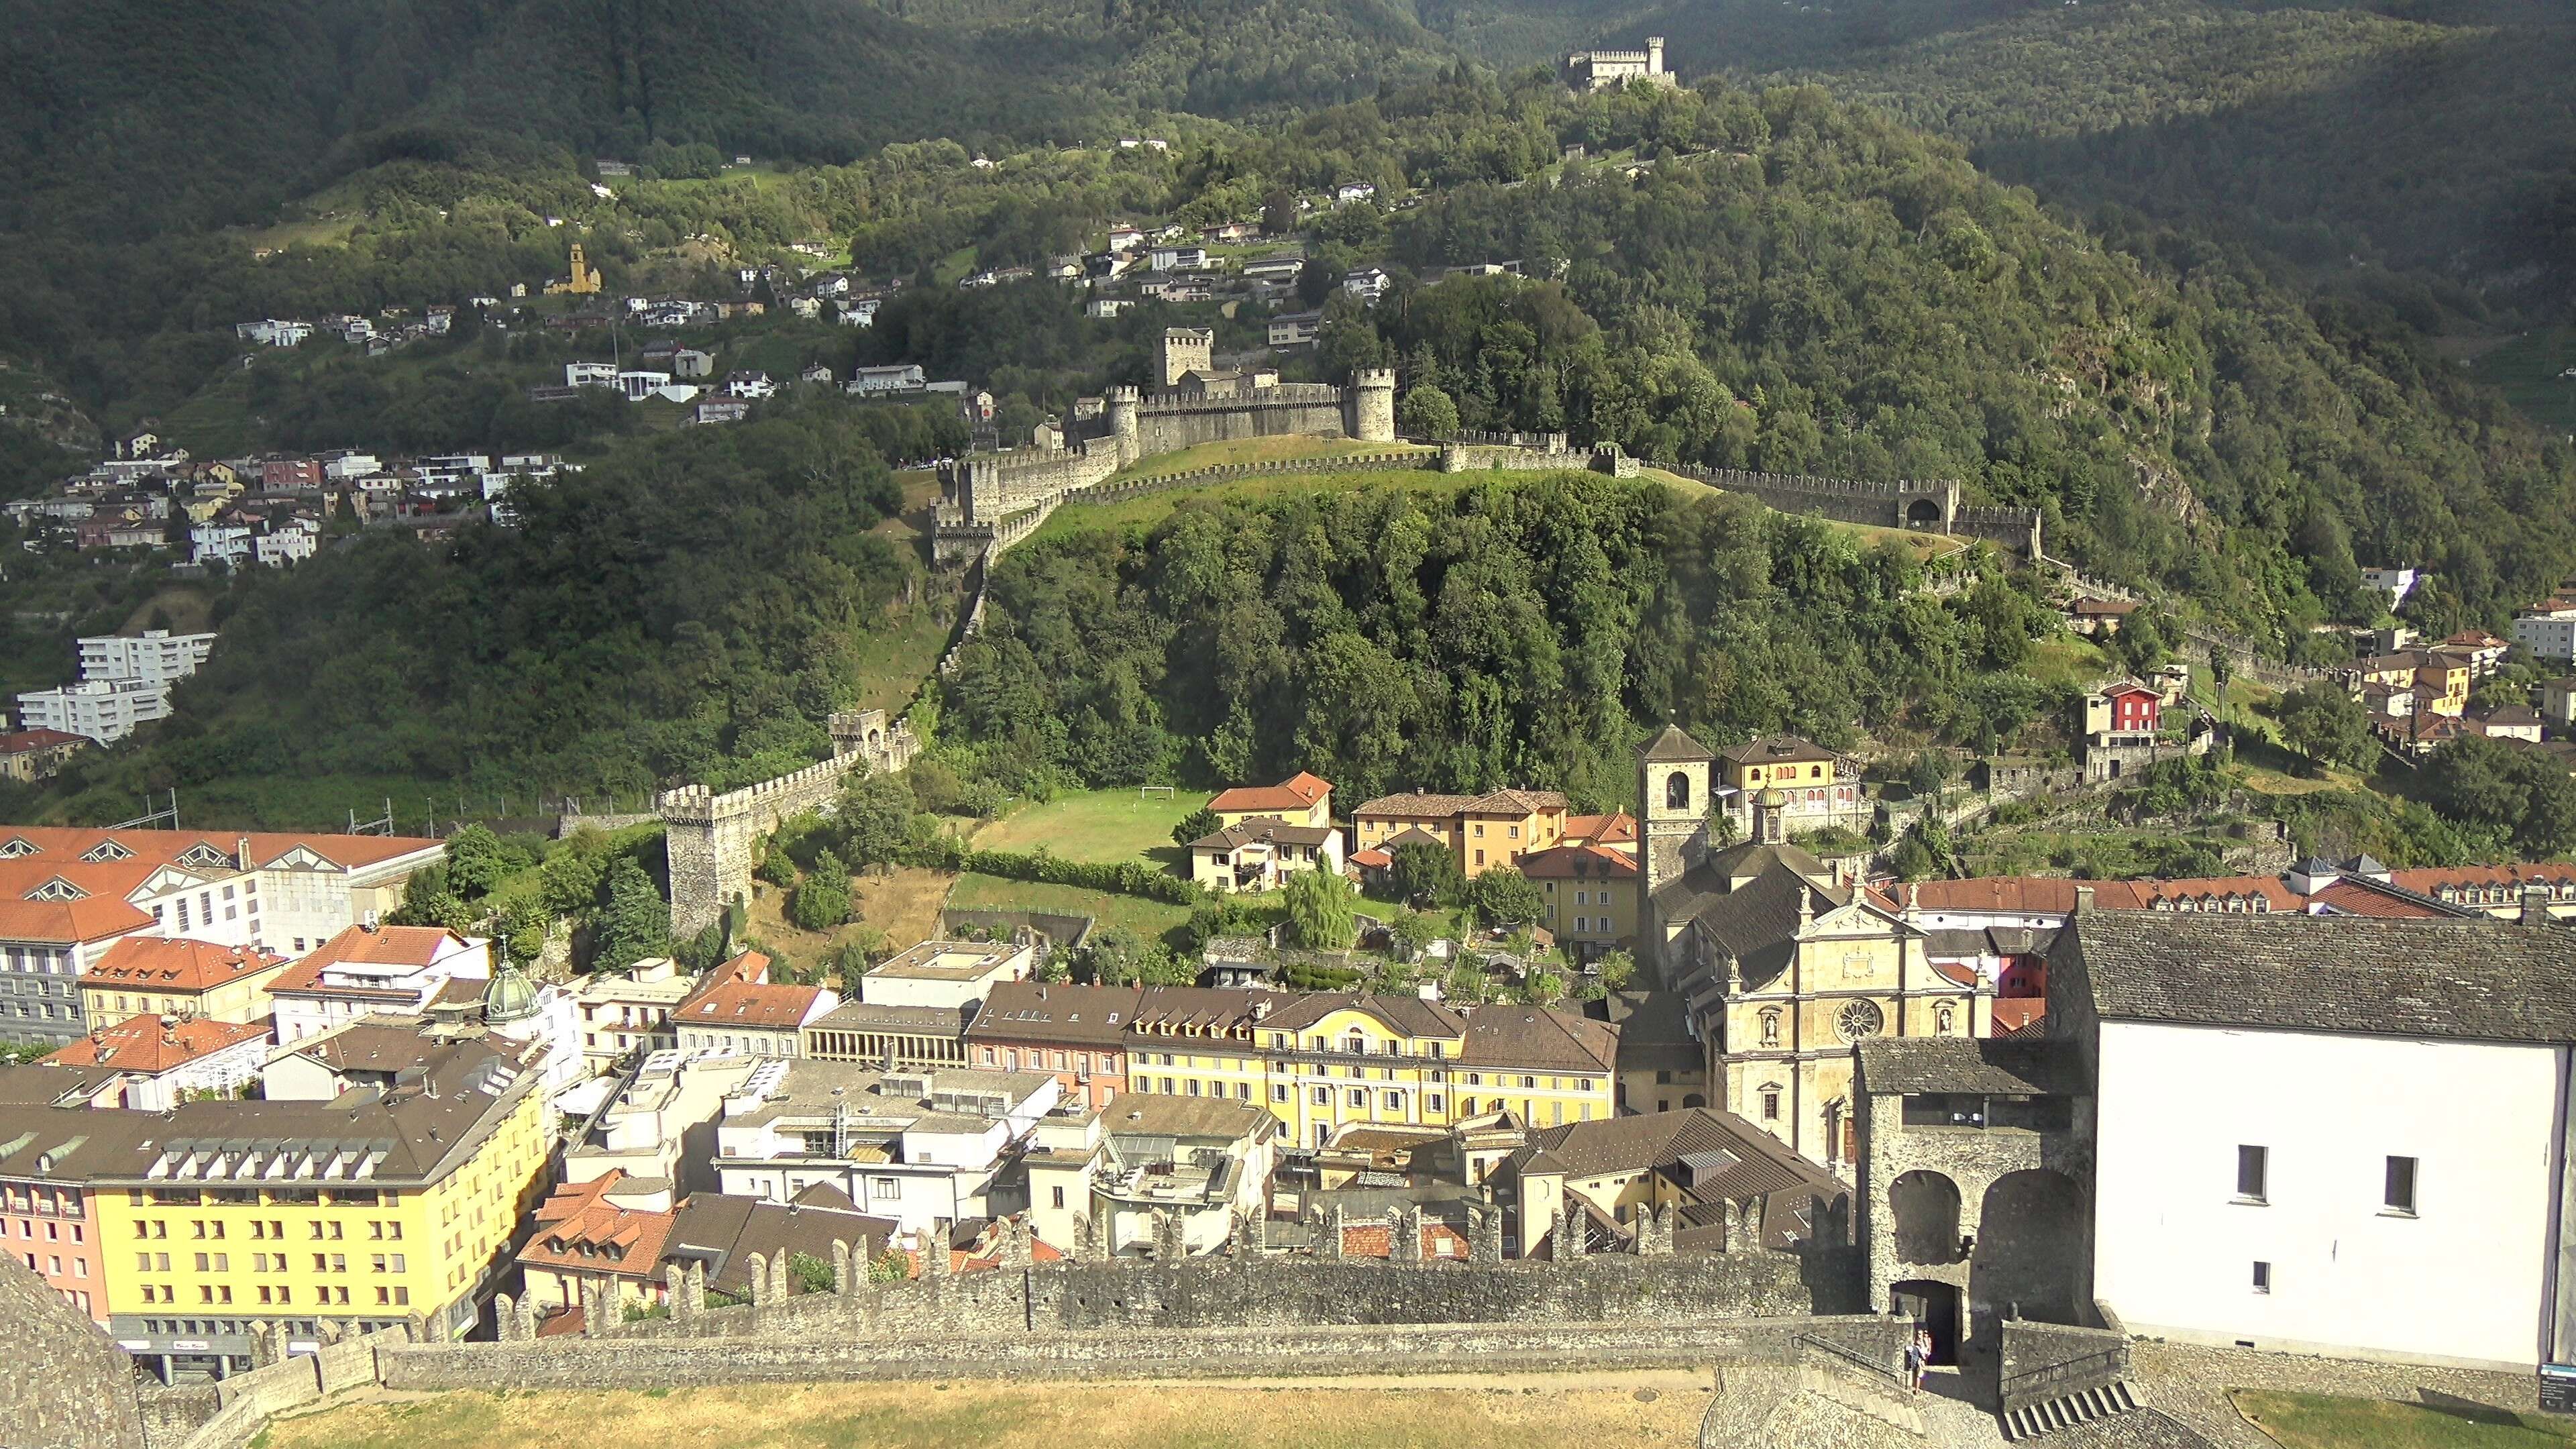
(1127,878)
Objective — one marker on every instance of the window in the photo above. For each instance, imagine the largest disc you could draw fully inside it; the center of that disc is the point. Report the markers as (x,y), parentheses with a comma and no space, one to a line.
(1359,1096)
(1323,1096)
(1059,1196)
(1771,1106)
(2262,1277)
(2252,1167)
(1394,1101)
(1677,791)
(1434,1103)
(1279,1092)
(2398,1198)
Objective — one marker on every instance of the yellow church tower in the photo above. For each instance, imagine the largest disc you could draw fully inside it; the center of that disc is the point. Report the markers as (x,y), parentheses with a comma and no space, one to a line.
(584,281)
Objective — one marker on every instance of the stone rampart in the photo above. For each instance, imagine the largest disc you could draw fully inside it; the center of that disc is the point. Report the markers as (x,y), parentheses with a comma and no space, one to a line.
(2044,1361)
(711,838)
(69,1386)
(578,1363)
(1171,422)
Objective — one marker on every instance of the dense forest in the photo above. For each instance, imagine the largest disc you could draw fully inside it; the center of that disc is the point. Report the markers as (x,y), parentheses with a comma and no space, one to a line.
(1512,633)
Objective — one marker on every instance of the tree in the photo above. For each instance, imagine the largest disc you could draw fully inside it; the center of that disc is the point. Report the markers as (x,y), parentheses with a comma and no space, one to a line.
(1197,825)
(2220,671)
(1321,910)
(1423,872)
(1410,932)
(1505,897)
(822,900)
(2321,721)
(875,817)
(1114,955)
(1616,971)
(1427,412)
(634,921)
(1542,987)
(1279,212)
(476,862)
(809,1274)
(776,866)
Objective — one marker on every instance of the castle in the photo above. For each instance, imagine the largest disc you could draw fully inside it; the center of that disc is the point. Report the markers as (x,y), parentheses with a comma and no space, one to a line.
(1601,70)
(989,501)
(713,838)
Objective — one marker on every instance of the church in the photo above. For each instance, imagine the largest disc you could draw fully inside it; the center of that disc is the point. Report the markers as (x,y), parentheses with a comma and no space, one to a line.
(1781,962)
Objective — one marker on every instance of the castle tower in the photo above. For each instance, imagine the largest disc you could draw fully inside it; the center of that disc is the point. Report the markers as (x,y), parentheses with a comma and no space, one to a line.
(1124,427)
(1654,55)
(1182,351)
(1672,819)
(1372,405)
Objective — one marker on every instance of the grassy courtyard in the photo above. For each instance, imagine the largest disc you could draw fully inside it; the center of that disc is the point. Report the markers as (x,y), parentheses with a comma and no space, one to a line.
(1358,1414)
(2321,1421)
(1108,826)
(994,893)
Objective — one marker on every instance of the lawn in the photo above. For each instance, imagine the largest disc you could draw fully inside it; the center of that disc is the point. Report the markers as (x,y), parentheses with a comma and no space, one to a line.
(2321,1421)
(899,653)
(1923,546)
(187,608)
(1153,508)
(2529,370)
(1360,1414)
(1099,825)
(2068,659)
(1151,919)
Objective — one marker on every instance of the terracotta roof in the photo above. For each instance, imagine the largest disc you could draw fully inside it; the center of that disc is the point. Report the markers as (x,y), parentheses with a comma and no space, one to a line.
(2435,880)
(22,741)
(1372,859)
(1616,828)
(1518,802)
(385,946)
(2360,898)
(1298,792)
(161,964)
(773,1008)
(96,918)
(144,1044)
(1570,862)
(623,1240)
(2014,1014)
(2204,893)
(65,844)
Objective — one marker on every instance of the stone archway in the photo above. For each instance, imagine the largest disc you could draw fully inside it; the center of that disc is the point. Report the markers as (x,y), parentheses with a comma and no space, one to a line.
(1923,513)
(1923,1206)
(2030,1254)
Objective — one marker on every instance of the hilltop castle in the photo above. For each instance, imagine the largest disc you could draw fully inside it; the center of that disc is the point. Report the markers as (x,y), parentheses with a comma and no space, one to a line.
(1601,70)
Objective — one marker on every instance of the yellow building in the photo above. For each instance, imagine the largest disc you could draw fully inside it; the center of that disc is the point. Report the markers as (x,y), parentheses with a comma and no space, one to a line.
(1301,799)
(234,1215)
(583,282)
(2440,679)
(1782,964)
(1323,1061)
(165,977)
(1591,895)
(1483,831)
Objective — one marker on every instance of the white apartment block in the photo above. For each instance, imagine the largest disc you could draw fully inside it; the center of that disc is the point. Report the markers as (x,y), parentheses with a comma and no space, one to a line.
(158,656)
(2548,633)
(103,710)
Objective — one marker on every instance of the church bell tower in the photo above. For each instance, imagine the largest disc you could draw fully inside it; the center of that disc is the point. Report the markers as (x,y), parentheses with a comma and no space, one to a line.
(1672,821)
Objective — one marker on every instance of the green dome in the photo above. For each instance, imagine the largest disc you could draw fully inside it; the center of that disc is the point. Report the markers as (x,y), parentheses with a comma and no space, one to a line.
(511,997)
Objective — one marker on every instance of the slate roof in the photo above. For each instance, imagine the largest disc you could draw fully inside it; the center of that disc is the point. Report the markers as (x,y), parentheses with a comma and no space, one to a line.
(1686,1145)
(1416,805)
(1038,1012)
(1528,1037)
(2467,980)
(1985,1066)
(1746,899)
(1673,746)
(1778,750)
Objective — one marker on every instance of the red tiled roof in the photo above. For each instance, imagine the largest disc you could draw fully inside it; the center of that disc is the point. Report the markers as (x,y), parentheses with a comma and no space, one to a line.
(1567,862)
(2040,895)
(735,1003)
(2352,898)
(163,964)
(2148,895)
(1616,828)
(141,1044)
(1298,792)
(22,741)
(2016,1014)
(385,946)
(2433,880)
(1372,859)
(64,845)
(580,1214)
(66,923)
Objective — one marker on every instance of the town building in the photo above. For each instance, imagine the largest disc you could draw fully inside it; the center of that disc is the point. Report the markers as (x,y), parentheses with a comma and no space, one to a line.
(2548,630)
(124,682)
(2279,1154)
(1661,1066)
(196,980)
(1480,831)
(1301,799)
(399,1207)
(2440,679)
(161,1061)
(1821,787)
(1781,966)
(1200,1163)
(1591,895)
(627,1014)
(642,1131)
(39,754)
(951,975)
(915,1147)
(376,970)
(1260,853)
(737,1008)
(893,1038)
(1080,1033)
(1703,1166)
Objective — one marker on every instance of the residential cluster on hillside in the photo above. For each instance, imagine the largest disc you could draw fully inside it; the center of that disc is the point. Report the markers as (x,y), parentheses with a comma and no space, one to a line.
(125,681)
(268,511)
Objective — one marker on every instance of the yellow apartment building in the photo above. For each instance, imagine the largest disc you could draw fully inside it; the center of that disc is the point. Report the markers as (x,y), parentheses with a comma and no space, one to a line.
(235,1215)
(1591,895)
(155,975)
(1323,1061)
(1482,831)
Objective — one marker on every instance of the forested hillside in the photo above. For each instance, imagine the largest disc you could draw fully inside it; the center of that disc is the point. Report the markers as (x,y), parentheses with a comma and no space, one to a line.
(696,605)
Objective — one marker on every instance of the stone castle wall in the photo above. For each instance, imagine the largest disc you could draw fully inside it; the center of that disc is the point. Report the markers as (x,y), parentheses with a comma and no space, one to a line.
(710,839)
(69,1385)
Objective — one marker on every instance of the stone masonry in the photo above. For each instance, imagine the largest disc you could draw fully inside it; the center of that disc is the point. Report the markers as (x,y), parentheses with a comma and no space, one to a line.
(711,838)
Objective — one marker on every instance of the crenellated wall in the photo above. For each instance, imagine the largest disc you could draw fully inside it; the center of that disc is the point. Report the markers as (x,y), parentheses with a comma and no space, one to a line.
(710,839)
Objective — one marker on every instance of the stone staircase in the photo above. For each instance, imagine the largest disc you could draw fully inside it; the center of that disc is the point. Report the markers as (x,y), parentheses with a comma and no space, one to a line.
(2081,1407)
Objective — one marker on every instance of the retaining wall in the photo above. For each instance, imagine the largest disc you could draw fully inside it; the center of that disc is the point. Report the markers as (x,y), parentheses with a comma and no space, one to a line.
(2044,1361)
(576,1363)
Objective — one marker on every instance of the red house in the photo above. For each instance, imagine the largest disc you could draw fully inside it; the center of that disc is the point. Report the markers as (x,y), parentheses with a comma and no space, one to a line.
(2125,708)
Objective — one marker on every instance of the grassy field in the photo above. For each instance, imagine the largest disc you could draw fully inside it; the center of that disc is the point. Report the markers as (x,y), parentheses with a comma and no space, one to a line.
(1152,508)
(190,610)
(991,892)
(1102,825)
(1650,1411)
(898,654)
(2069,659)
(2319,1421)
(2527,370)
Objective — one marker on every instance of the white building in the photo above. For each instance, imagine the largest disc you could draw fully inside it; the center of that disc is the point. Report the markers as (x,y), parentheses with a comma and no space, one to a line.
(945,974)
(902,377)
(642,1130)
(272,332)
(2395,583)
(104,710)
(230,544)
(2330,1134)
(2549,633)
(915,1147)
(156,655)
(371,970)
(590,374)
(622,1015)
(290,542)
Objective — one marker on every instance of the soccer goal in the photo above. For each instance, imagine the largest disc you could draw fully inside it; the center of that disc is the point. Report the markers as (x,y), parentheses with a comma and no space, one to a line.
(1153,791)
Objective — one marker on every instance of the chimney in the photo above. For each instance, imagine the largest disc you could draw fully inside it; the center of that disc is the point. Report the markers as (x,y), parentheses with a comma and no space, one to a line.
(2535,903)
(2084,900)
(241,852)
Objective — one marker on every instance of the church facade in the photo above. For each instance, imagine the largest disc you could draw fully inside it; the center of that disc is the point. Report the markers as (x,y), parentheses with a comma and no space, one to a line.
(1781,964)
